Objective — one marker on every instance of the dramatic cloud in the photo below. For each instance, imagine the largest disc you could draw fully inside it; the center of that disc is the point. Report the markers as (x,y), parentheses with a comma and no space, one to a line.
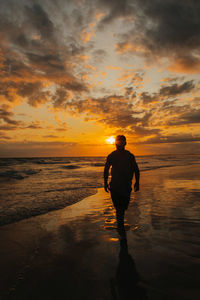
(115,63)
(35,56)
(113,110)
(168,29)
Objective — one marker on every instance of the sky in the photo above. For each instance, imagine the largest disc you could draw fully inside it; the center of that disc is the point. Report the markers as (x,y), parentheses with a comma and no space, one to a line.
(74,73)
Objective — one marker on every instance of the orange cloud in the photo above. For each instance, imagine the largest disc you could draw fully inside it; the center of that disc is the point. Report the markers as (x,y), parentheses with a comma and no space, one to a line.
(185,65)
(86,36)
(115,68)
(128,47)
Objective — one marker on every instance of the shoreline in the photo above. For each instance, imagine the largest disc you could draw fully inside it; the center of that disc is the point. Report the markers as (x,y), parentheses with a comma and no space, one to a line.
(10,219)
(17,218)
(76,253)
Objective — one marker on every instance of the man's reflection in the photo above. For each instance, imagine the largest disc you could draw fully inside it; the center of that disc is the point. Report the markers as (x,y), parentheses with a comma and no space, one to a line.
(125,285)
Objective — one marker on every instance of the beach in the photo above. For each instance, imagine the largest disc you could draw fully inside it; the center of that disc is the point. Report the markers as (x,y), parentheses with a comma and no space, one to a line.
(77,253)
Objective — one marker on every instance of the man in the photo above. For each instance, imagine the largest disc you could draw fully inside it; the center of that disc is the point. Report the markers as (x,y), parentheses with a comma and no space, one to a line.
(124,167)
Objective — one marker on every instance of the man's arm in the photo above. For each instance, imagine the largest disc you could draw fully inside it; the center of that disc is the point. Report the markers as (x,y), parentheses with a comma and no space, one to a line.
(137,175)
(106,173)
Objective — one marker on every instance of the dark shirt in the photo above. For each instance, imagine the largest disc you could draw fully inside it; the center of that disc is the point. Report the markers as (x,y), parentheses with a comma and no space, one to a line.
(123,168)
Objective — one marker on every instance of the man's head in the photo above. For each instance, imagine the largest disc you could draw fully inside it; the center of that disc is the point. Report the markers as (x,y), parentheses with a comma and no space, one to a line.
(120,142)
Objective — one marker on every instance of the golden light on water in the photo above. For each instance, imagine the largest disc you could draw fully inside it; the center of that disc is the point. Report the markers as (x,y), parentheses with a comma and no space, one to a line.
(110,140)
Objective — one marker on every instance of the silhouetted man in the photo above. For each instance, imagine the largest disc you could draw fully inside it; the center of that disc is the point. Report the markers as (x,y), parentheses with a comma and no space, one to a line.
(124,167)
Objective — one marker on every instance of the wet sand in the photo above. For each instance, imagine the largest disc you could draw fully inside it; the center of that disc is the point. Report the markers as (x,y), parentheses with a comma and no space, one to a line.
(77,253)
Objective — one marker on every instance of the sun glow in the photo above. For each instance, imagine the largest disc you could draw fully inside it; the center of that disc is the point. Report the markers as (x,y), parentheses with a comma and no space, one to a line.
(110,140)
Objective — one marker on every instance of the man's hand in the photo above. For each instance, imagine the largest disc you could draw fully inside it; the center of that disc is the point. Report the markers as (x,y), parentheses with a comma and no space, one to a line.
(136,187)
(106,187)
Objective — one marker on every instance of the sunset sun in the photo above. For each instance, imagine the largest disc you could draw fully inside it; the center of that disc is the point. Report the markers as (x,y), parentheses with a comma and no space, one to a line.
(110,140)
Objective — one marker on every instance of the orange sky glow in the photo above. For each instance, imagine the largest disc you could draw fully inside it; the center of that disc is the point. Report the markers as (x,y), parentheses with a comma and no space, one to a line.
(74,74)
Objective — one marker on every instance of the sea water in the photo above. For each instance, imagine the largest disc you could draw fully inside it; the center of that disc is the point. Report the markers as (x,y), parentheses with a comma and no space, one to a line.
(33,186)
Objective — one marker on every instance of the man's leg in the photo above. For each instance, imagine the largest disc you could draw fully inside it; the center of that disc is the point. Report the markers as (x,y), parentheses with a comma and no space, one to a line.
(120,203)
(120,217)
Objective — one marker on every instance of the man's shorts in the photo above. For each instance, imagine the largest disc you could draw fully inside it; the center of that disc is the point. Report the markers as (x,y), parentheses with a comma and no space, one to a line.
(120,200)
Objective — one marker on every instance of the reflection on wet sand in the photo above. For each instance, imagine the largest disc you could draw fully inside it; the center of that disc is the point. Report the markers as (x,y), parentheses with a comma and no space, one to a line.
(191,184)
(79,249)
(126,284)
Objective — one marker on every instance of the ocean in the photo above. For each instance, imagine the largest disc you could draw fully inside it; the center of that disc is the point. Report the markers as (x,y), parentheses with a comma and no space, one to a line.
(34,186)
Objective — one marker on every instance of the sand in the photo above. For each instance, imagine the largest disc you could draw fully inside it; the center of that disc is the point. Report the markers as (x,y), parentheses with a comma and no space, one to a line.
(77,253)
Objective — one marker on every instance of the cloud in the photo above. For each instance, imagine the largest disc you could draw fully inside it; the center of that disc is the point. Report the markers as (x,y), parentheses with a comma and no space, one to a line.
(3,136)
(124,113)
(163,29)
(176,138)
(114,10)
(51,136)
(168,91)
(35,148)
(35,55)
(46,62)
(34,125)
(10,124)
(99,55)
(173,79)
(143,131)
(39,19)
(6,116)
(189,117)
(44,59)
(131,79)
(113,110)
(146,98)
(61,129)
(34,92)
(8,127)
(171,148)
(177,89)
